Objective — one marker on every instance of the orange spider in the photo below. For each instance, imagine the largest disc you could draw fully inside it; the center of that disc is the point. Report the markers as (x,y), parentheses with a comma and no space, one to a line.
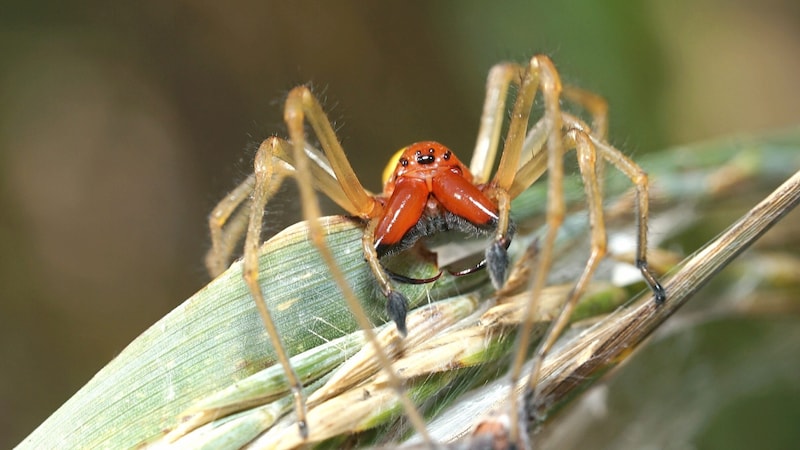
(431,191)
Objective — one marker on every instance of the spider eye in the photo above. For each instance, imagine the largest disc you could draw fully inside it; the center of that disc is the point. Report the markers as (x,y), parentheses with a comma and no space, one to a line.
(446,155)
(431,150)
(403,162)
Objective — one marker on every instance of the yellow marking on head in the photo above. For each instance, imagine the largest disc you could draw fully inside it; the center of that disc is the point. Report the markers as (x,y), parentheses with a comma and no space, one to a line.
(390,166)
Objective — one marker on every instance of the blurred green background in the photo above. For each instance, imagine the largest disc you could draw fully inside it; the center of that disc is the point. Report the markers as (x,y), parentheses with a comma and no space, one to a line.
(122,124)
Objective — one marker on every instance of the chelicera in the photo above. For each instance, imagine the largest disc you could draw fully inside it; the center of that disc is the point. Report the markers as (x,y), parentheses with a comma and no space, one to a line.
(431,191)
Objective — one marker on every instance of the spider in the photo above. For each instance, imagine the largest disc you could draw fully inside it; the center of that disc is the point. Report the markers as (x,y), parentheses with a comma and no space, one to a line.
(429,192)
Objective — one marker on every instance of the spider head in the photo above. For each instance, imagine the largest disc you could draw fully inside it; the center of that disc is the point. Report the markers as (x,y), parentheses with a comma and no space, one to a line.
(422,160)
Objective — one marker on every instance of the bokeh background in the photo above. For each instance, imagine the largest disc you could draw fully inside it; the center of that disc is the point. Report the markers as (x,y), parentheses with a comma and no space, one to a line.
(122,123)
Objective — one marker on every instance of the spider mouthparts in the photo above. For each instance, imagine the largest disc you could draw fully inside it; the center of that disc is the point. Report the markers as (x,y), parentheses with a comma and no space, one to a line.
(409,280)
(396,308)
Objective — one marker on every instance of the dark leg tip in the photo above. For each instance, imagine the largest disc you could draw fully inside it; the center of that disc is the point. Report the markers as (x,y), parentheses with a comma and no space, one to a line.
(497,263)
(659,293)
(396,308)
(302,427)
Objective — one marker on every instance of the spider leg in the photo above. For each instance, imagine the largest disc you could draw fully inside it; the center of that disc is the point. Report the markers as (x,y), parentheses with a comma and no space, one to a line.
(494,110)
(396,303)
(533,168)
(300,105)
(640,180)
(505,186)
(595,105)
(323,177)
(502,75)
(588,146)
(238,212)
(534,160)
(226,231)
(228,220)
(264,170)
(587,161)
(542,70)
(363,204)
